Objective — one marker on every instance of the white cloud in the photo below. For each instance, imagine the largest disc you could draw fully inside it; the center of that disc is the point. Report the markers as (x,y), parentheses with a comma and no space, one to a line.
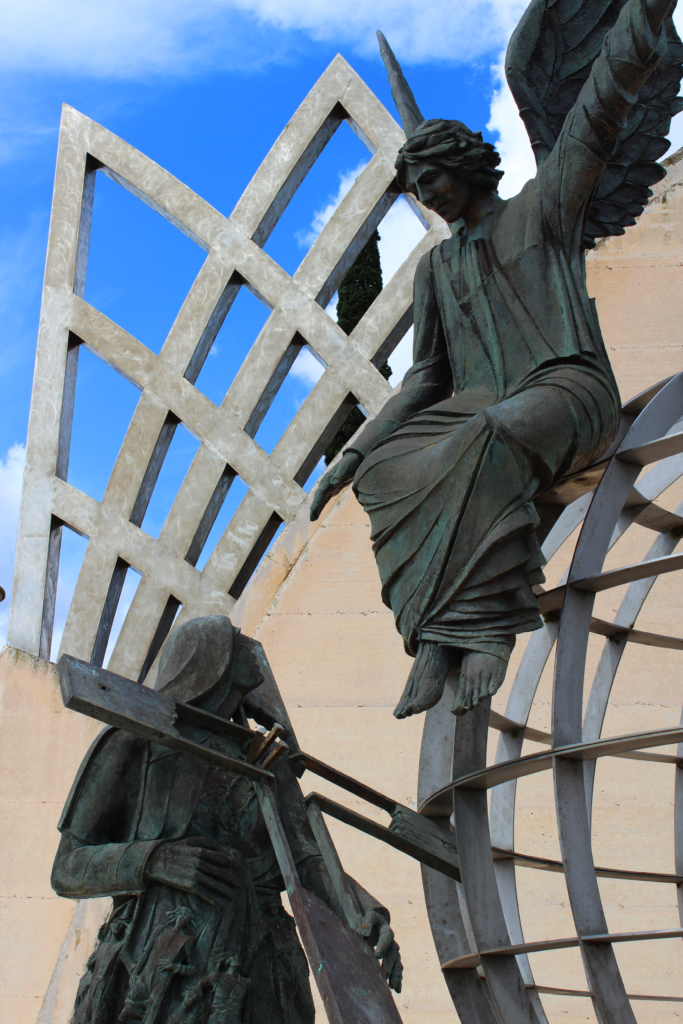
(399,233)
(135,38)
(516,154)
(306,367)
(11,476)
(417,31)
(675,136)
(401,359)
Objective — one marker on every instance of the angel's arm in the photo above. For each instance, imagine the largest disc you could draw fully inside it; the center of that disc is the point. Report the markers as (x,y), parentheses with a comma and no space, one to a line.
(632,49)
(429,379)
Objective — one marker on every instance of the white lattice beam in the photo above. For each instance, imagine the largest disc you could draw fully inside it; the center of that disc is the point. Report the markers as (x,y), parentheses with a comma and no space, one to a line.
(235,259)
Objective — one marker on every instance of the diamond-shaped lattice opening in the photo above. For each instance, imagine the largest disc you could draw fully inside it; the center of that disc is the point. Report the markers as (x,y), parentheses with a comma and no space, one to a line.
(401,359)
(237,330)
(348,419)
(122,587)
(225,501)
(298,372)
(103,407)
(320,193)
(71,554)
(140,267)
(168,617)
(262,544)
(399,232)
(176,448)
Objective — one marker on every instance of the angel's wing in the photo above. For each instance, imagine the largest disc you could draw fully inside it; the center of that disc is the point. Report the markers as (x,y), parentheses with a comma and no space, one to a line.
(549,58)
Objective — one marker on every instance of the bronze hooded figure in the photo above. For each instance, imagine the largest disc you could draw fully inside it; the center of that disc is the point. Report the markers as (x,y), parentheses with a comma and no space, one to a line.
(197,933)
(511,387)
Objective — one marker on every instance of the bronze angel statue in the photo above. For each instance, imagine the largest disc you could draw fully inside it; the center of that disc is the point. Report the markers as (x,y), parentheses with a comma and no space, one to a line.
(511,388)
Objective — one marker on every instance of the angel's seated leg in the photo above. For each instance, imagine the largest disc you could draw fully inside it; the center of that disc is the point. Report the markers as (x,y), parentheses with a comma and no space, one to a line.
(427,678)
(481,675)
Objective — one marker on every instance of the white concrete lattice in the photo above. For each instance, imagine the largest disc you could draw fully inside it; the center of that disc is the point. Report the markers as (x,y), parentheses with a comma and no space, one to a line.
(235,258)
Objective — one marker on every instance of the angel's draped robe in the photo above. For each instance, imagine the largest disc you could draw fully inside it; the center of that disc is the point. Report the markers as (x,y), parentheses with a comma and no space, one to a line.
(510,389)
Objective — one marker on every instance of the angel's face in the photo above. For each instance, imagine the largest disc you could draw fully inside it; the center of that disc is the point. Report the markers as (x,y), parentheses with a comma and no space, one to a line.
(439,190)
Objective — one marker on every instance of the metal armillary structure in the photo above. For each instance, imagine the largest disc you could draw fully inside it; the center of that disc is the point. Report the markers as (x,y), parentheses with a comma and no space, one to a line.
(476,925)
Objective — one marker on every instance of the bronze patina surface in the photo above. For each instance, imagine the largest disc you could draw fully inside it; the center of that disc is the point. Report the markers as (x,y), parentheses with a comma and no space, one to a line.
(511,387)
(195,845)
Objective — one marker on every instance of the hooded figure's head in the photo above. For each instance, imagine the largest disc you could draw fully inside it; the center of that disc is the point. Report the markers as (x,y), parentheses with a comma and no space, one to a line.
(204,663)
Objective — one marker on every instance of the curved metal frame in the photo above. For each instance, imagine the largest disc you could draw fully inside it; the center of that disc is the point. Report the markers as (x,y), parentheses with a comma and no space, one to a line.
(479,935)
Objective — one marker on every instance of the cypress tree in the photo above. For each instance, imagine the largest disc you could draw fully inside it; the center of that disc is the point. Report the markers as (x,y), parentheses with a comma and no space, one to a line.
(359,289)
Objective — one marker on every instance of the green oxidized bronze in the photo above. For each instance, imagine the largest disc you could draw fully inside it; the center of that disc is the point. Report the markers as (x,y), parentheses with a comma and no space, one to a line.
(197,933)
(511,387)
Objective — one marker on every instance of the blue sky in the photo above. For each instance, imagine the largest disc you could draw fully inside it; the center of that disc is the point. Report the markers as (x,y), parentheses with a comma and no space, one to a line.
(203,88)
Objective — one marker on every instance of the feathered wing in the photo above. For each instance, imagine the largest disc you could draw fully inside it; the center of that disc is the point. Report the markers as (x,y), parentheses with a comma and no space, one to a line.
(549,58)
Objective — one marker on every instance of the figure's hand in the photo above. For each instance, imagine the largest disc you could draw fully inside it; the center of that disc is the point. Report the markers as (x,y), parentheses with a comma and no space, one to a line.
(377,929)
(192,866)
(334,481)
(183,970)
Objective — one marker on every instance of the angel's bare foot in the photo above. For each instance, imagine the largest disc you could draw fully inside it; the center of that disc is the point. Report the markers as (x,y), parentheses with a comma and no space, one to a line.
(481,675)
(426,680)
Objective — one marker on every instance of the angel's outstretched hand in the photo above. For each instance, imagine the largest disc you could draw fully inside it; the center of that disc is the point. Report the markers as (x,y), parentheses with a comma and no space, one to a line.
(334,481)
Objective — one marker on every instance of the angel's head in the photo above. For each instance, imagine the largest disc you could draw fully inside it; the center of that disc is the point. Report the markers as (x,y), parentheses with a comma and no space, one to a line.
(444,165)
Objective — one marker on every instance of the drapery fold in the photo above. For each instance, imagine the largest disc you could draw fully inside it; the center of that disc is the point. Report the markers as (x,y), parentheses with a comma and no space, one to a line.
(450,495)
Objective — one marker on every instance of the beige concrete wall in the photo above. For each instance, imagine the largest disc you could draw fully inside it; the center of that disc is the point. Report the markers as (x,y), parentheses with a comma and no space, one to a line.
(637,280)
(43,946)
(315,606)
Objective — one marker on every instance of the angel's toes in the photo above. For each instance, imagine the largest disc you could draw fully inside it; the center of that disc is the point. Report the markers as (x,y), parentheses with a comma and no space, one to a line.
(426,680)
(462,702)
(400,709)
(497,677)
